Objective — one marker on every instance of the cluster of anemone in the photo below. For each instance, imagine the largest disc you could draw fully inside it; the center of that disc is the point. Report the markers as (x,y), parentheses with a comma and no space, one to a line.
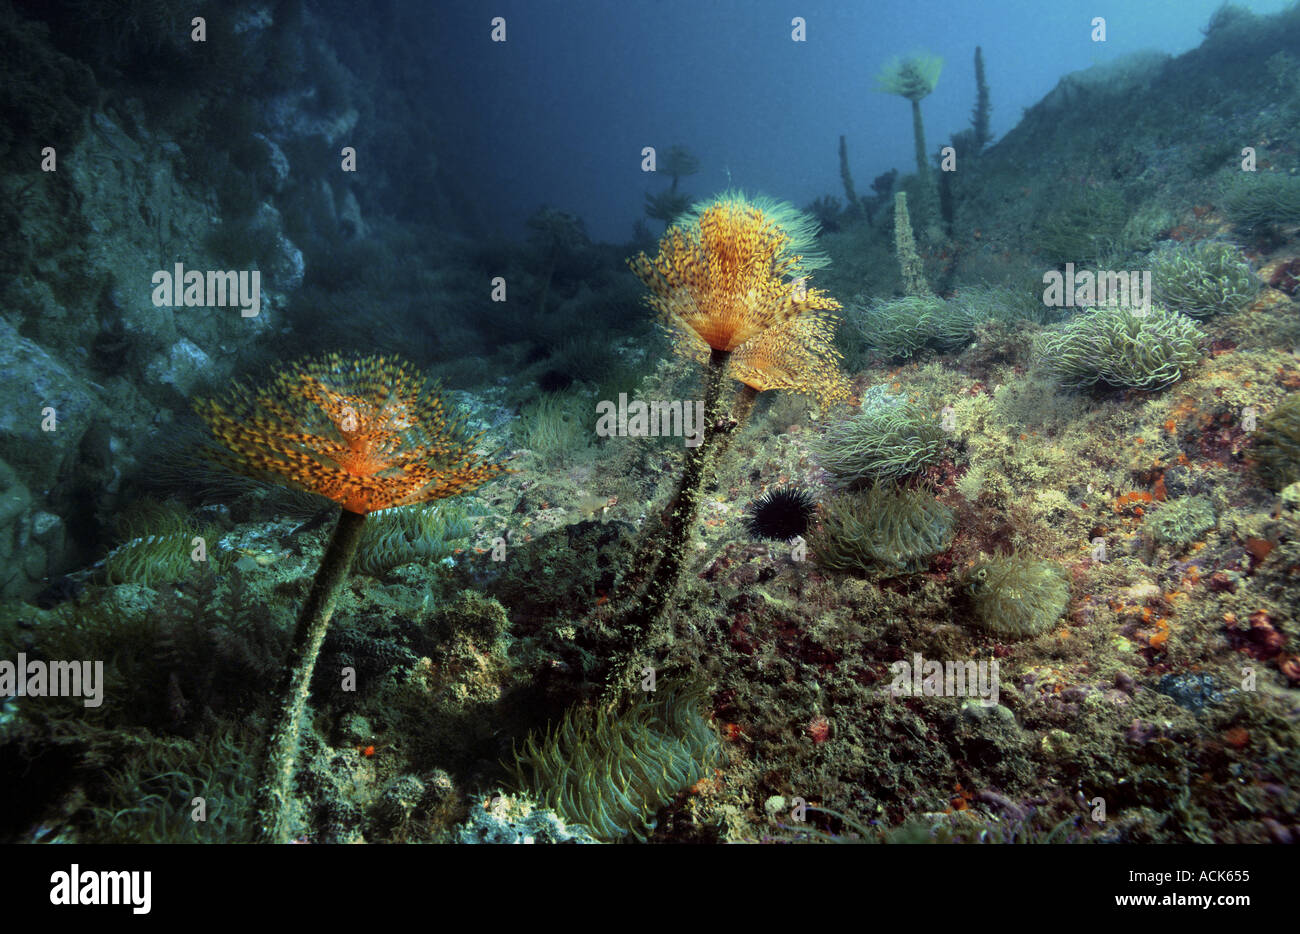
(901,327)
(885,530)
(1258,199)
(1125,348)
(1202,279)
(1086,228)
(983,302)
(610,772)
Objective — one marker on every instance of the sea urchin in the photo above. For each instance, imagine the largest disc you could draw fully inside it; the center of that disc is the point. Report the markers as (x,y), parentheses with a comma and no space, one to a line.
(781,513)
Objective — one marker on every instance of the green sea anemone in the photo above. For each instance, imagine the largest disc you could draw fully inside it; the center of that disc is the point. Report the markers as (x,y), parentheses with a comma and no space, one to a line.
(1017,596)
(557,425)
(900,327)
(1123,347)
(1182,521)
(1146,227)
(422,532)
(611,772)
(1084,229)
(976,303)
(889,439)
(884,531)
(158,558)
(138,799)
(1202,279)
(1254,199)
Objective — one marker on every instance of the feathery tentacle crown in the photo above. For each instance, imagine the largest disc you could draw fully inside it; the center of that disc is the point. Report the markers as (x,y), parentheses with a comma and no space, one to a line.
(725,282)
(365,432)
(913,77)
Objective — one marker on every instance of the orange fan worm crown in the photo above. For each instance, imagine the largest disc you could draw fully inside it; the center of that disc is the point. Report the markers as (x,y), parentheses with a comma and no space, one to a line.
(365,432)
(723,284)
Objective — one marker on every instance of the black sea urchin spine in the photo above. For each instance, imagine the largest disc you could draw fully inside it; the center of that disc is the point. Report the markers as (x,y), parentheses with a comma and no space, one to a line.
(781,513)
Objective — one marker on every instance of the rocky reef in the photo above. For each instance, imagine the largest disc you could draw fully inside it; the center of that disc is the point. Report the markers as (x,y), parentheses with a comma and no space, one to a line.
(1087,510)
